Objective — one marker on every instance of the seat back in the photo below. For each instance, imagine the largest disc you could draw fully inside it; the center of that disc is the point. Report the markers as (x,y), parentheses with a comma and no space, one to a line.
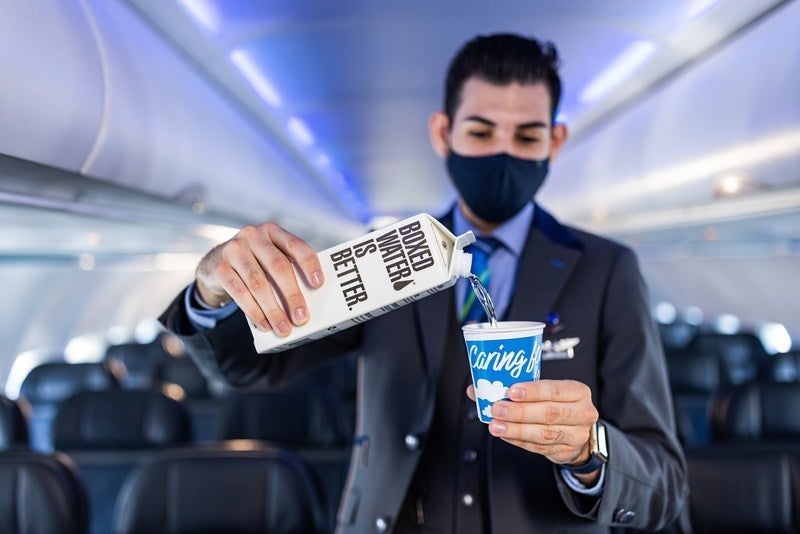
(693,377)
(40,493)
(221,489)
(757,412)
(309,422)
(748,478)
(48,384)
(744,488)
(204,405)
(107,432)
(292,418)
(741,355)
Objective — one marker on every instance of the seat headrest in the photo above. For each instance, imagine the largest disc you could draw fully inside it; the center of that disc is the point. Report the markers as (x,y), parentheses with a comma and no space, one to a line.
(52,382)
(13,426)
(135,364)
(184,372)
(41,493)
(694,372)
(677,335)
(741,354)
(294,418)
(220,490)
(120,419)
(783,367)
(758,411)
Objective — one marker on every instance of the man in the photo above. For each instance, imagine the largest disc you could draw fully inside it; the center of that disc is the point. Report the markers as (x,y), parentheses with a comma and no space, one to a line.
(590,445)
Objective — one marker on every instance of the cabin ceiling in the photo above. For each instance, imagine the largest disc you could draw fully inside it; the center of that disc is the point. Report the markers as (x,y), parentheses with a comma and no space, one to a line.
(315,113)
(360,79)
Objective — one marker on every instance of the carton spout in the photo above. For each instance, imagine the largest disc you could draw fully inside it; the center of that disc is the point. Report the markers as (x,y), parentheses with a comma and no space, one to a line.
(461,262)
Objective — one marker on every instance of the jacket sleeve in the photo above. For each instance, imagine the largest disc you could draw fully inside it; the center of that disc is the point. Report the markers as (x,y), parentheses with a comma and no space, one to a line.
(226,352)
(646,481)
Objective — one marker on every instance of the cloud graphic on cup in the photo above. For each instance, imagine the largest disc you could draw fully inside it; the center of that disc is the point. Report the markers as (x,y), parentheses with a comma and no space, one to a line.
(490,391)
(487,412)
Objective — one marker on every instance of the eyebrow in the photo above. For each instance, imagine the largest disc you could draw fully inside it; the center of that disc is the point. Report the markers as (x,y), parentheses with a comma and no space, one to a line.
(523,126)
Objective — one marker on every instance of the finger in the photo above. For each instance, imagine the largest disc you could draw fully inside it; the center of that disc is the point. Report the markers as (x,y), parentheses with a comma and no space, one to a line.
(271,279)
(549,390)
(249,284)
(580,413)
(559,443)
(234,286)
(300,252)
(277,252)
(471,392)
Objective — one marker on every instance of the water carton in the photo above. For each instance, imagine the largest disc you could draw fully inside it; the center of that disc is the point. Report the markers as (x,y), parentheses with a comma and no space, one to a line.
(375,274)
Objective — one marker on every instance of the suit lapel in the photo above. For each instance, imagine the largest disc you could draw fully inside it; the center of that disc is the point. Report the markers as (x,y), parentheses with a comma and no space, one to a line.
(550,254)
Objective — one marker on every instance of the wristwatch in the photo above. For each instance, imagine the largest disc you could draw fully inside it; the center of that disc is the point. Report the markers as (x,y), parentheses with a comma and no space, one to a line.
(599,452)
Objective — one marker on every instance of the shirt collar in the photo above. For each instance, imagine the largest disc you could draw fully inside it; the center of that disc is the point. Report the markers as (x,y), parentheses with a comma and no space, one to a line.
(512,234)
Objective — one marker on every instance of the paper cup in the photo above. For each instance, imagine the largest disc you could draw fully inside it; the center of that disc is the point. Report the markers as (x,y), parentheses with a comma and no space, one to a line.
(501,356)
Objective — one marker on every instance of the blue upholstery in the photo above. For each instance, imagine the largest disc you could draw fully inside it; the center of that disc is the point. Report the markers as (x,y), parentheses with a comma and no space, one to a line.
(233,487)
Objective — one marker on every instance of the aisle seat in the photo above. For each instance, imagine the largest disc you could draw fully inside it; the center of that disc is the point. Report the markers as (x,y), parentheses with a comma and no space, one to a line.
(48,384)
(238,486)
(107,432)
(40,493)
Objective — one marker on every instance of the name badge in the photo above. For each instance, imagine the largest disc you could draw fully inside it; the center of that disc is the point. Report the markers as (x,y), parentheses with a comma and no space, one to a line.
(559,349)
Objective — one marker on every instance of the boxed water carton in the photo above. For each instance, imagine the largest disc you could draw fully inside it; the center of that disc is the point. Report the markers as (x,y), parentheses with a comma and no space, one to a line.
(375,274)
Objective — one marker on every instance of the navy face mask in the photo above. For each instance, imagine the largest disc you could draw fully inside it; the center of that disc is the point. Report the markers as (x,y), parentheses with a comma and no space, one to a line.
(496,187)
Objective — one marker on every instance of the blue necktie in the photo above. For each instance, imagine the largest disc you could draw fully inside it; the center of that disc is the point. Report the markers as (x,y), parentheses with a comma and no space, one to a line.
(481,249)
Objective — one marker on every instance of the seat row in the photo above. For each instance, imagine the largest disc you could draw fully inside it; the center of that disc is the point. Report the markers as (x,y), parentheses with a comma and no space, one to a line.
(107,433)
(220,488)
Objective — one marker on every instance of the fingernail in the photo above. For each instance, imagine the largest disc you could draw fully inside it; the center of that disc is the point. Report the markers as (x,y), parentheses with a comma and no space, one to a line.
(516,393)
(284,328)
(316,278)
(498,410)
(265,326)
(497,428)
(300,315)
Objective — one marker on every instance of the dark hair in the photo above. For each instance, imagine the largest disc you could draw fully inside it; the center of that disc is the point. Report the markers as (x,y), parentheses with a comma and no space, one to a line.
(503,59)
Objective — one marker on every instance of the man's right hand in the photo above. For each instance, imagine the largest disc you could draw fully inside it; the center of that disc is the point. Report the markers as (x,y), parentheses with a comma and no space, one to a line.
(254,268)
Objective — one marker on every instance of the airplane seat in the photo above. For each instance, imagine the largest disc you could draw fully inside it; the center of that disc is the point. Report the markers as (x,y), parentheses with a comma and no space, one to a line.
(782,367)
(677,335)
(744,487)
(203,402)
(227,487)
(310,422)
(135,364)
(41,493)
(107,432)
(748,478)
(693,378)
(741,354)
(337,378)
(49,384)
(13,426)
(757,412)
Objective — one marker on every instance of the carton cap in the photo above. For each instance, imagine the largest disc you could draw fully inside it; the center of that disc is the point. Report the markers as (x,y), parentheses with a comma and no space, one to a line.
(461,263)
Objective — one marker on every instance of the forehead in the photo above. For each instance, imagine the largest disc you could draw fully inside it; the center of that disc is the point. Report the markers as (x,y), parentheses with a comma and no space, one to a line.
(515,101)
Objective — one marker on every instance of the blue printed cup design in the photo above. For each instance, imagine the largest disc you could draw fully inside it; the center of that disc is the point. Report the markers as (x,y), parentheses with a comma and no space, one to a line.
(502,356)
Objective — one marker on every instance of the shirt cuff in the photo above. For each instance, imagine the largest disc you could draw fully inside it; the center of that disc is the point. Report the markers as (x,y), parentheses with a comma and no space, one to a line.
(579,487)
(200,315)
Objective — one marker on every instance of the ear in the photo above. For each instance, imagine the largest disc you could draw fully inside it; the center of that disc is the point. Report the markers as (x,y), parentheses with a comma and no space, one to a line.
(558,138)
(438,129)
